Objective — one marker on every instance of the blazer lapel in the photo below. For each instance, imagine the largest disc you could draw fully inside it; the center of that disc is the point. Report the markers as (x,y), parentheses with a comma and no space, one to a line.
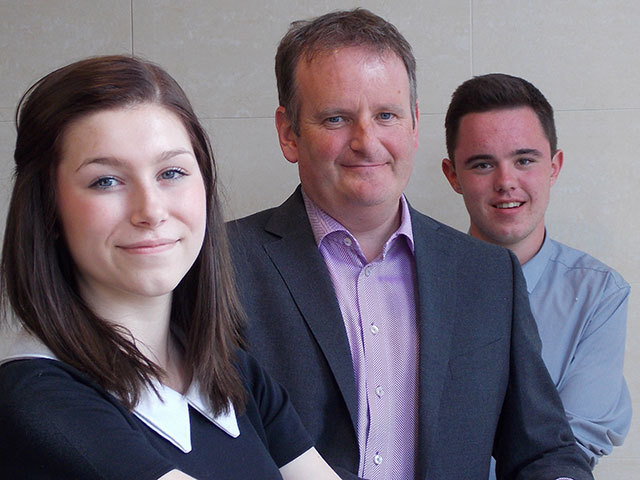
(435,267)
(299,262)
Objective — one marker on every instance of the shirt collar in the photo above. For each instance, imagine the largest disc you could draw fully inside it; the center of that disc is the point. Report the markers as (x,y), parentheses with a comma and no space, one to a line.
(534,268)
(167,414)
(323,224)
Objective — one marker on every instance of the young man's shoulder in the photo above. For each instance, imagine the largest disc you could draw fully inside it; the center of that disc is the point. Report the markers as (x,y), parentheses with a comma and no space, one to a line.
(580,262)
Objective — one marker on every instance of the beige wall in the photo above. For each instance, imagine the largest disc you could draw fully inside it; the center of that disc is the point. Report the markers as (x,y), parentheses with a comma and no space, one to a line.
(582,55)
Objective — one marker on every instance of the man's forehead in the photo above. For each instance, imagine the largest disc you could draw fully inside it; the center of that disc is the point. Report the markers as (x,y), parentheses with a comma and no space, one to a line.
(321,54)
(507,119)
(323,48)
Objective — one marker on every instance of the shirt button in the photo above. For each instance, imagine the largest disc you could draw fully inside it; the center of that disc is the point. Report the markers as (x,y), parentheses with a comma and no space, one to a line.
(374,329)
(379,391)
(347,241)
(377,459)
(367,270)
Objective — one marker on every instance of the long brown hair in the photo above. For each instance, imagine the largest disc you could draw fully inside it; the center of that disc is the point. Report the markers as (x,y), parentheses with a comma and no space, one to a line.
(37,273)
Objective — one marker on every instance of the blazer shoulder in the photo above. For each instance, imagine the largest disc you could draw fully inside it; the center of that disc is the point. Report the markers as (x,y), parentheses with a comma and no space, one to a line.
(249,226)
(277,221)
(455,241)
(257,218)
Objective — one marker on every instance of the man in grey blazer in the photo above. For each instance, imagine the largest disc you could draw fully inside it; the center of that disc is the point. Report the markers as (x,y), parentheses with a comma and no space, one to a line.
(408,348)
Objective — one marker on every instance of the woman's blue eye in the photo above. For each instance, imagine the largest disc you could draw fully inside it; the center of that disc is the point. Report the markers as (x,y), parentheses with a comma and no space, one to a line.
(172,174)
(104,183)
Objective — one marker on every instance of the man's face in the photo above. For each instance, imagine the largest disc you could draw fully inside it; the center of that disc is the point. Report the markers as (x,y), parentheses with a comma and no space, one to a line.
(504,169)
(357,136)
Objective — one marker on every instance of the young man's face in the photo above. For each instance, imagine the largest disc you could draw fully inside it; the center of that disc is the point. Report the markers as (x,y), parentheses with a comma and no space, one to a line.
(504,169)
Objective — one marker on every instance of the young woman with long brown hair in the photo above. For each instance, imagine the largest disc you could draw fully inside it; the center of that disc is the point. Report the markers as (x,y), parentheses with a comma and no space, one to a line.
(128,363)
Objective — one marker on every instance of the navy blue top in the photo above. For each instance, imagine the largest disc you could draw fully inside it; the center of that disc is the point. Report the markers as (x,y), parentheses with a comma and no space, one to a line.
(55,422)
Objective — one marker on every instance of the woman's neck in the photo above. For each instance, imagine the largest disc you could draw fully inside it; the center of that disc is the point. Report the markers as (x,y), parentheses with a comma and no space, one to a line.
(147,319)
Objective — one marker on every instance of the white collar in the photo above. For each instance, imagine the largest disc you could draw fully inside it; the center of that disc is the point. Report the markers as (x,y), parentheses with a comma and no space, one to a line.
(168,415)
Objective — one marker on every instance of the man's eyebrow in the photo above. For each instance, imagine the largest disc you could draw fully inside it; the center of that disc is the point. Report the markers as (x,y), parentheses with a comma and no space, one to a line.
(527,151)
(392,107)
(395,108)
(331,112)
(520,151)
(116,162)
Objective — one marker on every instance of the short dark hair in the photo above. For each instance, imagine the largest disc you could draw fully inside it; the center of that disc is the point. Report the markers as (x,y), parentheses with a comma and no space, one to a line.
(497,91)
(348,28)
(37,277)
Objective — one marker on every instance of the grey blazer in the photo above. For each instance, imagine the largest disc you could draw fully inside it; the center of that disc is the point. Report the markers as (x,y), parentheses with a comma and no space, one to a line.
(483,386)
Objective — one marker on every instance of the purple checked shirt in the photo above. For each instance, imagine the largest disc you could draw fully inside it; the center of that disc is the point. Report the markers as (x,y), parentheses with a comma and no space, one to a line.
(378,306)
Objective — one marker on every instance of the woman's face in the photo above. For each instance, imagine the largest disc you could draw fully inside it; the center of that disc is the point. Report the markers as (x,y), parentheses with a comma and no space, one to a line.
(131,201)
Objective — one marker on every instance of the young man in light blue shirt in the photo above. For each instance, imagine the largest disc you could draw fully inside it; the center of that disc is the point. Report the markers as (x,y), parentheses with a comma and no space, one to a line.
(503,160)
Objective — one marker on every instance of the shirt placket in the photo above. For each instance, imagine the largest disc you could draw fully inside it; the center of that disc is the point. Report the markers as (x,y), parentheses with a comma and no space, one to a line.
(374,332)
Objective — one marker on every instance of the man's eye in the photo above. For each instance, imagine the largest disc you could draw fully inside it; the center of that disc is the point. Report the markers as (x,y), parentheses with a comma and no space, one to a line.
(386,115)
(481,166)
(335,119)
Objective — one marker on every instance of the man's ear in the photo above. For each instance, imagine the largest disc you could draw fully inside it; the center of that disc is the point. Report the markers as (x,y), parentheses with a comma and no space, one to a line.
(287,137)
(556,165)
(449,171)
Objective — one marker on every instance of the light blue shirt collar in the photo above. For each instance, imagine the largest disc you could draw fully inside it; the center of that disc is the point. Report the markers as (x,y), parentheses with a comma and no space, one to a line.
(534,268)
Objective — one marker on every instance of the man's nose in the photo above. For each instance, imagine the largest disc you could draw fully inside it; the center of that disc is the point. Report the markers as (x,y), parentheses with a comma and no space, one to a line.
(505,179)
(363,137)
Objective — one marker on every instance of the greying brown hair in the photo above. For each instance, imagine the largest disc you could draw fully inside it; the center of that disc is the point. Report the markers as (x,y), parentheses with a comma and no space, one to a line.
(350,28)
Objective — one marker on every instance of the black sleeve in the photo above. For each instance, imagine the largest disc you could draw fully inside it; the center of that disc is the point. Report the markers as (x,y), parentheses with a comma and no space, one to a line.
(285,436)
(533,440)
(55,423)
